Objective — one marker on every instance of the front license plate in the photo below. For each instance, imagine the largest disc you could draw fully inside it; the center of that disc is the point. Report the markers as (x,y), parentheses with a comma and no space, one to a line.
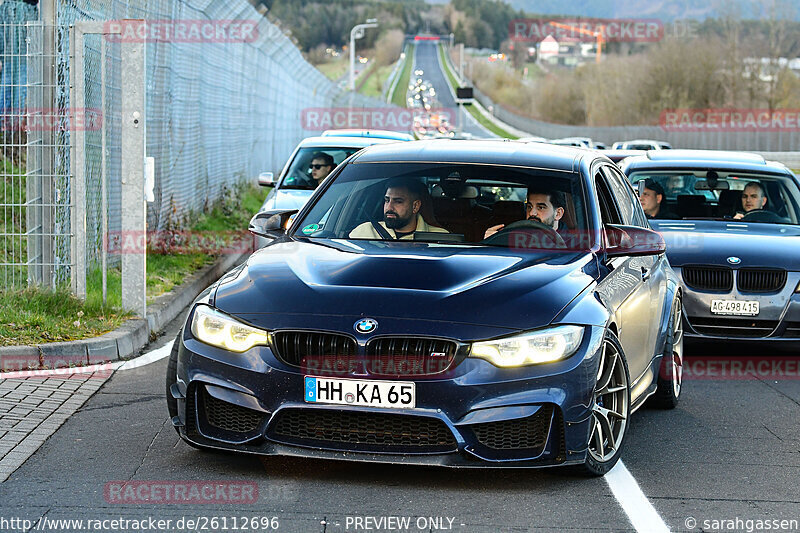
(395,394)
(734,307)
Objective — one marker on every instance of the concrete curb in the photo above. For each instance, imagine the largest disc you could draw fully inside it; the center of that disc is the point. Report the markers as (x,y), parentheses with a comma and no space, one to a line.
(128,339)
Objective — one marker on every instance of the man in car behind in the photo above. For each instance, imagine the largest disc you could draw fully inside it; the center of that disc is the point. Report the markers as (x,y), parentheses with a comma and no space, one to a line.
(753,199)
(402,204)
(321,165)
(653,201)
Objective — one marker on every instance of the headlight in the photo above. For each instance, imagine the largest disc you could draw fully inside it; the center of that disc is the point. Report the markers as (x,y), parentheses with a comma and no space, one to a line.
(544,346)
(217,329)
(797,289)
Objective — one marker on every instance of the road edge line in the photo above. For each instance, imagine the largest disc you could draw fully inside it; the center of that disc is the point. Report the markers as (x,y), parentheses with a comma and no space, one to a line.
(641,513)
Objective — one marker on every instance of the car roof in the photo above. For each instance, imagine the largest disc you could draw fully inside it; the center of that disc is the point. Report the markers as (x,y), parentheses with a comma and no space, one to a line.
(618,154)
(374,134)
(342,142)
(485,151)
(703,159)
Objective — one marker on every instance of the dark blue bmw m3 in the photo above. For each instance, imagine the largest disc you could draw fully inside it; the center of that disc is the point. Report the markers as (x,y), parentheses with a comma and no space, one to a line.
(453,303)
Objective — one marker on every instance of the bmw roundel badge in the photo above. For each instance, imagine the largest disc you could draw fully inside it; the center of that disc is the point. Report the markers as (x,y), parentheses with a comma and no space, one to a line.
(734,260)
(366,325)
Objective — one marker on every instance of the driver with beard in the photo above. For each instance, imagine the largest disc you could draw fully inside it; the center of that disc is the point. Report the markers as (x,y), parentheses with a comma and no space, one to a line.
(546,207)
(401,213)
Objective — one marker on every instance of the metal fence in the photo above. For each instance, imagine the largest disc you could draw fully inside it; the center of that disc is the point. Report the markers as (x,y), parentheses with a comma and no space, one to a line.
(217,112)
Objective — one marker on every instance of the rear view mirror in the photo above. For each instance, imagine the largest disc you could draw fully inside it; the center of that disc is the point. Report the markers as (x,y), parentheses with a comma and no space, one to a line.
(266,179)
(631,241)
(270,224)
(703,185)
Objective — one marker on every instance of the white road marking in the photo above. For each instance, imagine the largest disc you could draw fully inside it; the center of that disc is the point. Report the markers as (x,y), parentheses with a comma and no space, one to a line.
(640,511)
(145,359)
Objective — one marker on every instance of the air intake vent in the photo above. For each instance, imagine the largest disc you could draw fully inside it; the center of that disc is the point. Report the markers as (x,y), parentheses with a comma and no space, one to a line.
(526,433)
(361,431)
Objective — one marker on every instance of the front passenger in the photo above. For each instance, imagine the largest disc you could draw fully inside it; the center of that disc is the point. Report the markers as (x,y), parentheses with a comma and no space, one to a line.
(401,214)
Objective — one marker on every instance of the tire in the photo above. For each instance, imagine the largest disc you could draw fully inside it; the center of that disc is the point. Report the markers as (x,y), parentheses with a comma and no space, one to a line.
(172,371)
(670,374)
(607,434)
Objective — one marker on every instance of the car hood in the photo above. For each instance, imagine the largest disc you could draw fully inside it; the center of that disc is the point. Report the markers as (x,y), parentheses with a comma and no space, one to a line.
(286,199)
(713,242)
(416,281)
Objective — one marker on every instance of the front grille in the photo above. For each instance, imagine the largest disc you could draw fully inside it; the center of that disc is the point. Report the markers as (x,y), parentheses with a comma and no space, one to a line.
(230,417)
(760,280)
(733,327)
(519,434)
(361,431)
(330,354)
(708,278)
(316,351)
(408,356)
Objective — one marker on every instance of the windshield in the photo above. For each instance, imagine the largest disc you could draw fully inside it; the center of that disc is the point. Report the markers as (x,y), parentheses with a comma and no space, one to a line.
(697,195)
(301,175)
(451,204)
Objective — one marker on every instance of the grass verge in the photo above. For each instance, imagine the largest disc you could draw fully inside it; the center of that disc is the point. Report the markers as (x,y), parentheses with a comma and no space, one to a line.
(401,88)
(372,85)
(480,117)
(33,316)
(334,69)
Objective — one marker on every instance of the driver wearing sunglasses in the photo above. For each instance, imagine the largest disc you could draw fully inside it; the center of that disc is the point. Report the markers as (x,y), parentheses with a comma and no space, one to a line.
(321,165)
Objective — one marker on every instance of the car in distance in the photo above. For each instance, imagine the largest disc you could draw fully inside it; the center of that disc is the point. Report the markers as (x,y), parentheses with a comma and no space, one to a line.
(618,155)
(455,345)
(373,134)
(580,142)
(641,144)
(295,185)
(739,264)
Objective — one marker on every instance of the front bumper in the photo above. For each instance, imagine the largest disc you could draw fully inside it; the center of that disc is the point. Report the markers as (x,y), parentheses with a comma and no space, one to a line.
(474,415)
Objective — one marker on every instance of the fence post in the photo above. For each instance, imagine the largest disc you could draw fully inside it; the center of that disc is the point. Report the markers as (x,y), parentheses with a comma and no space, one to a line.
(48,13)
(134,208)
(77,165)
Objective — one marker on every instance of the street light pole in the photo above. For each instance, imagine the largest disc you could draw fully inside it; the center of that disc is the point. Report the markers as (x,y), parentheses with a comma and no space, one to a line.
(357,33)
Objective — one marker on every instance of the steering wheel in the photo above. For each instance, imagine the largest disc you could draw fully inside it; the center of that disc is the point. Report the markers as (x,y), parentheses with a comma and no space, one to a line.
(555,238)
(761,215)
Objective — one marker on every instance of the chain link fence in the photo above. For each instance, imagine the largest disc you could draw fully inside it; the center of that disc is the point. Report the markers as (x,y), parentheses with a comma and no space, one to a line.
(218,111)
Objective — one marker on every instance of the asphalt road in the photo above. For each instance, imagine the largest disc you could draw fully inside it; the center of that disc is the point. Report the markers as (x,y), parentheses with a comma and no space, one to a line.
(426,57)
(730,450)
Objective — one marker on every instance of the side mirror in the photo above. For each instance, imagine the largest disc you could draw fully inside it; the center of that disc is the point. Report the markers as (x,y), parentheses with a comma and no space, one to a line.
(630,241)
(266,179)
(270,224)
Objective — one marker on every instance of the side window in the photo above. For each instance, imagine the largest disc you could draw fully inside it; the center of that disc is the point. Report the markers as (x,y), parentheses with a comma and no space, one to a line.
(629,206)
(608,208)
